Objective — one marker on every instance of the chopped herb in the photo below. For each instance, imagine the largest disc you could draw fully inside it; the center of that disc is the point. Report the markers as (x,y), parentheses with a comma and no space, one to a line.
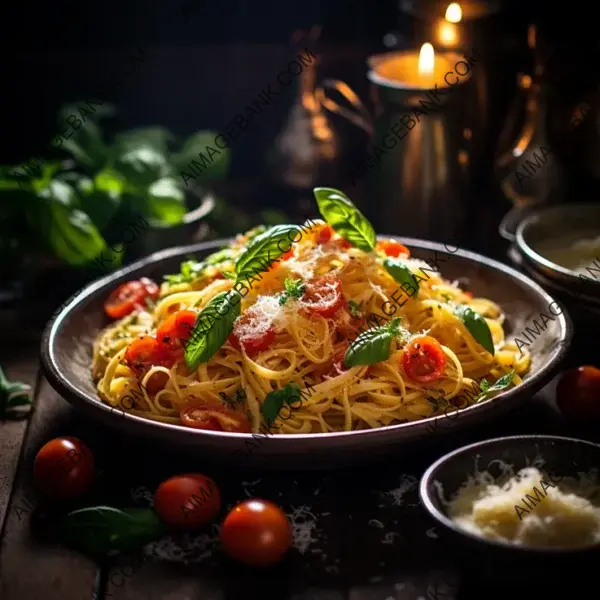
(294,288)
(447,297)
(487,389)
(15,398)
(355,309)
(228,275)
(190,270)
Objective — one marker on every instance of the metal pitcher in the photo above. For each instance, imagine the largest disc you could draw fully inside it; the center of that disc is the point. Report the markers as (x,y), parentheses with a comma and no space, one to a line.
(414,174)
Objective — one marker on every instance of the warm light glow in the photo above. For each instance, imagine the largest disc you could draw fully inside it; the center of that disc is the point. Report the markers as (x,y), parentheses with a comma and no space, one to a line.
(447,34)
(454,13)
(426,59)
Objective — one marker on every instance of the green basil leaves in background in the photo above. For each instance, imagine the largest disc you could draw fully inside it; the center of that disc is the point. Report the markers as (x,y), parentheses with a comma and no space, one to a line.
(166,201)
(212,328)
(345,218)
(103,530)
(275,400)
(477,327)
(15,398)
(263,250)
(373,346)
(502,383)
(401,273)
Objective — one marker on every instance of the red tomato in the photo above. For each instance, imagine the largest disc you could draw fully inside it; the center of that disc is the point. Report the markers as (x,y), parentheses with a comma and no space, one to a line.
(129,296)
(144,353)
(252,332)
(64,468)
(393,248)
(325,235)
(323,296)
(176,330)
(187,501)
(578,394)
(424,360)
(256,532)
(216,418)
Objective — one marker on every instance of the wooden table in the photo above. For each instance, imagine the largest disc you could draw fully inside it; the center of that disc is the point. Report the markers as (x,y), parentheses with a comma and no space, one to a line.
(359,534)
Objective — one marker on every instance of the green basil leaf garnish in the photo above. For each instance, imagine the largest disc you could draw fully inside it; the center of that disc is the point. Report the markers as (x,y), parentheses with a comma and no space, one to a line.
(275,400)
(213,326)
(103,530)
(373,345)
(501,384)
(339,212)
(265,249)
(401,273)
(477,327)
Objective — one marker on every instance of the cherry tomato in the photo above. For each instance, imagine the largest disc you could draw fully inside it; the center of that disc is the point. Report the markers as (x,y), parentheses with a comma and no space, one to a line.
(252,333)
(64,468)
(578,393)
(144,353)
(323,296)
(256,532)
(129,296)
(215,417)
(325,235)
(176,330)
(393,248)
(424,360)
(185,501)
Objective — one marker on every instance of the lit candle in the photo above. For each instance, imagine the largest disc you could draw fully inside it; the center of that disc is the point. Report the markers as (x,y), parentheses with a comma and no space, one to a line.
(415,71)
(448,32)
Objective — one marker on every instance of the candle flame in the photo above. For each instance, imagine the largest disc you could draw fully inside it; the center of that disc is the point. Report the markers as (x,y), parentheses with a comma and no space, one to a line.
(447,33)
(454,13)
(426,58)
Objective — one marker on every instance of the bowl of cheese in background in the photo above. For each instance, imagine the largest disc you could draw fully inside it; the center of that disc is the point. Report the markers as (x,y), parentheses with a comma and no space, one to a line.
(525,504)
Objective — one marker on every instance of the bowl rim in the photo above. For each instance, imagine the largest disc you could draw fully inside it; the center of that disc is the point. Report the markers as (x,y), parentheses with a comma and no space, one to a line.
(529,253)
(64,386)
(427,480)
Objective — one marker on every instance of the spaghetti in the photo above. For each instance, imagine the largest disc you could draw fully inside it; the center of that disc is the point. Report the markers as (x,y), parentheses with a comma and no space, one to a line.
(332,319)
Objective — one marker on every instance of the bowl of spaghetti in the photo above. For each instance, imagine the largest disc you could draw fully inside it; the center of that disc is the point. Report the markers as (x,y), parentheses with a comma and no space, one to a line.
(319,337)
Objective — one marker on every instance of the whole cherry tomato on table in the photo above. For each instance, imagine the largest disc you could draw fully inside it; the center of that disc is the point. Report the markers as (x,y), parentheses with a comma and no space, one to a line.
(424,359)
(578,394)
(64,468)
(256,532)
(129,296)
(185,501)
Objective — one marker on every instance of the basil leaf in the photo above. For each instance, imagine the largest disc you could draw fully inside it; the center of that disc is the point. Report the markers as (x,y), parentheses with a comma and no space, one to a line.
(275,400)
(101,530)
(401,273)
(339,212)
(265,249)
(165,201)
(213,326)
(501,384)
(477,327)
(355,309)
(372,346)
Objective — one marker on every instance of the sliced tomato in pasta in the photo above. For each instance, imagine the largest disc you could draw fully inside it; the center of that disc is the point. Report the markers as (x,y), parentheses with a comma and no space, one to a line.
(146,352)
(393,248)
(323,296)
(424,359)
(253,331)
(215,417)
(129,296)
(176,330)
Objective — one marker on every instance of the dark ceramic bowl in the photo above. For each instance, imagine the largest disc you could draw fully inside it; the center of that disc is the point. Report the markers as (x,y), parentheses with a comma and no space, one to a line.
(68,339)
(562,457)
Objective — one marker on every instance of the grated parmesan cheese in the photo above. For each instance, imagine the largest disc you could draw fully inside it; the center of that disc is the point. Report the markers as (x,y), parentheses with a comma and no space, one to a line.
(529,509)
